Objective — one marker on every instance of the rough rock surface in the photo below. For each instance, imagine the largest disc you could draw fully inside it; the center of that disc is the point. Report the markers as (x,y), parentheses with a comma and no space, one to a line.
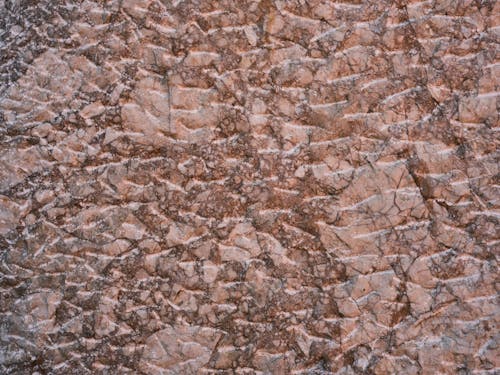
(249,187)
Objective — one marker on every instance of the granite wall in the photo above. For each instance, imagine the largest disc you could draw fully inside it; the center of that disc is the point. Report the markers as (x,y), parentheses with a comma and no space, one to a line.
(249,187)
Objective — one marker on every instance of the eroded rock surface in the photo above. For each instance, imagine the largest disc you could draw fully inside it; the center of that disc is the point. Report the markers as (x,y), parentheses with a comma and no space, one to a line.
(249,187)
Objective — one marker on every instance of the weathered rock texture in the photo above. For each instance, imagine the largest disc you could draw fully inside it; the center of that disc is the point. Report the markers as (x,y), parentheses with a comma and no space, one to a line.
(249,187)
